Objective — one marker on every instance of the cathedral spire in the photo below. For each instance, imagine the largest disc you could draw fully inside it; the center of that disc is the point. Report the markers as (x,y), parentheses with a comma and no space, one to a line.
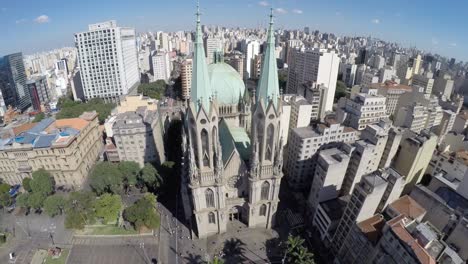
(200,92)
(268,87)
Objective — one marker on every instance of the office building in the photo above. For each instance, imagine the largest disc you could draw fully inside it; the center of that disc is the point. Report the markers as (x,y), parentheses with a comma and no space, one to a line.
(443,86)
(314,65)
(392,91)
(362,109)
(251,49)
(424,81)
(446,124)
(186,77)
(108,61)
(67,148)
(13,82)
(348,73)
(237,62)
(304,142)
(39,92)
(413,157)
(161,66)
(138,136)
(213,44)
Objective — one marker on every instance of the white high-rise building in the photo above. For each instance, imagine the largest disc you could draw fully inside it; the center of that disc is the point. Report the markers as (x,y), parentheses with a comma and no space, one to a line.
(213,44)
(251,49)
(161,65)
(424,81)
(108,60)
(315,65)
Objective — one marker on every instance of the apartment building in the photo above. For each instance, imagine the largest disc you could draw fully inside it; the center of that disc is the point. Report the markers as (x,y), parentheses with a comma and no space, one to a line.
(186,76)
(392,91)
(67,148)
(304,142)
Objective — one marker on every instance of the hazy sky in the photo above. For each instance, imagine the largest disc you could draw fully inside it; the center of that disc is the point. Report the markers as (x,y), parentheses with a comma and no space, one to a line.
(437,26)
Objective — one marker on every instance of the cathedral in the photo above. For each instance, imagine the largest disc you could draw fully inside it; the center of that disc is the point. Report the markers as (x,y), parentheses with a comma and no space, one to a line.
(233,157)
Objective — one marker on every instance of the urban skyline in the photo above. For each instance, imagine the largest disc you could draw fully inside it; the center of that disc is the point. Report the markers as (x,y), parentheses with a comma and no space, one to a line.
(436,30)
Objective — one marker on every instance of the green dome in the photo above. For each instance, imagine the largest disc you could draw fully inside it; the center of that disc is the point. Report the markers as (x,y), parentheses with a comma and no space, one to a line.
(226,83)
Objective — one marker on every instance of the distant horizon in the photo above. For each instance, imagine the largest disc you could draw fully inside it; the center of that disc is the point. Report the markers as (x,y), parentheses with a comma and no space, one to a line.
(48,24)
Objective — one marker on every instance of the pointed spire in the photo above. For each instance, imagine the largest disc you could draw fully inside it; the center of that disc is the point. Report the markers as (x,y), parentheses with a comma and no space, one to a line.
(268,87)
(200,92)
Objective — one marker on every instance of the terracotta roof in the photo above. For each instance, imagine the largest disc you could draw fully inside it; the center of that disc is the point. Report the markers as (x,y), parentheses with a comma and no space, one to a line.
(421,254)
(76,123)
(23,128)
(348,129)
(372,227)
(462,155)
(392,85)
(408,207)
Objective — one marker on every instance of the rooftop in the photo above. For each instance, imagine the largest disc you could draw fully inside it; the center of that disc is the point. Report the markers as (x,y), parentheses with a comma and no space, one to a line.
(391,85)
(408,207)
(335,208)
(372,227)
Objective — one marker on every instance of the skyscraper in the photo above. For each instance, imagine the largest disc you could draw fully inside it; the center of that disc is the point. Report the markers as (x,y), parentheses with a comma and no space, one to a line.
(108,60)
(13,82)
(251,49)
(319,66)
(161,66)
(186,77)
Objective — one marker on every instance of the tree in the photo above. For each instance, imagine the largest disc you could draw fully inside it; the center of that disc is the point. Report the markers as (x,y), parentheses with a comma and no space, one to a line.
(130,170)
(71,109)
(79,209)
(22,200)
(36,200)
(106,177)
(39,117)
(27,184)
(143,213)
(154,90)
(4,188)
(340,90)
(42,182)
(217,260)
(296,253)
(150,177)
(54,205)
(108,207)
(5,200)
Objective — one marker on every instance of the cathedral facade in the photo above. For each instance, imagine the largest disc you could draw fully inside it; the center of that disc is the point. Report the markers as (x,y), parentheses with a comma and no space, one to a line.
(231,143)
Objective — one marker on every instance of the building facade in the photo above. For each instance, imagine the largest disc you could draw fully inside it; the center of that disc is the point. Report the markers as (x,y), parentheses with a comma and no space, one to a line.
(108,60)
(186,77)
(67,148)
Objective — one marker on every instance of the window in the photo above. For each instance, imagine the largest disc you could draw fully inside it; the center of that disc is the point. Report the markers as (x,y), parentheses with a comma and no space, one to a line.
(265,190)
(263,209)
(270,137)
(211,218)
(209,196)
(205,148)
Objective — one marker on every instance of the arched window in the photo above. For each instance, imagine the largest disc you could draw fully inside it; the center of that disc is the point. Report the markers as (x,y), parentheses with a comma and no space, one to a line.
(211,218)
(270,138)
(265,191)
(214,135)
(260,129)
(205,147)
(209,196)
(263,209)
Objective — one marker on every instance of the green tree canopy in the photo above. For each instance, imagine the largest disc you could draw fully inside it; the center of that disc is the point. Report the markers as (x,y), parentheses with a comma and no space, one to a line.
(36,200)
(296,252)
(54,205)
(143,213)
(340,90)
(42,182)
(4,188)
(106,177)
(27,184)
(150,177)
(39,117)
(5,200)
(71,109)
(79,209)
(22,200)
(130,170)
(108,207)
(154,90)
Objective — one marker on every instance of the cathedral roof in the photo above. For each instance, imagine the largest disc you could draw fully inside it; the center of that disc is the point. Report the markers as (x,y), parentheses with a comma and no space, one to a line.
(226,83)
(268,86)
(232,138)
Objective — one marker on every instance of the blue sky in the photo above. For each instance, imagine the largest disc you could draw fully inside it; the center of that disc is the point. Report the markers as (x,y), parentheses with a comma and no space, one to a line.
(438,26)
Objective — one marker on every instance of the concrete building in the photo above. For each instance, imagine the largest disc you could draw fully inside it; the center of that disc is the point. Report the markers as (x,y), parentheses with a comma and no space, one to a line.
(67,148)
(138,136)
(38,92)
(108,60)
(13,91)
(161,66)
(251,49)
(315,95)
(423,81)
(362,109)
(186,77)
(371,195)
(386,73)
(446,124)
(366,156)
(392,91)
(237,62)
(328,175)
(414,156)
(395,136)
(213,44)
(301,111)
(449,169)
(443,86)
(368,78)
(304,142)
(316,65)
(348,72)
(461,122)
